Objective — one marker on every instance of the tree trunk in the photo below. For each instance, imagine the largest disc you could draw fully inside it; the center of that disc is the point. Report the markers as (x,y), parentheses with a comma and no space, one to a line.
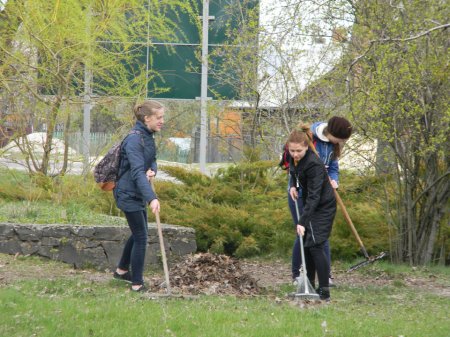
(51,123)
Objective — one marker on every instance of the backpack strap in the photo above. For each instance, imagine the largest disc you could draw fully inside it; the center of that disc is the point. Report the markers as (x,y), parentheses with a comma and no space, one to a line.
(285,158)
(132,132)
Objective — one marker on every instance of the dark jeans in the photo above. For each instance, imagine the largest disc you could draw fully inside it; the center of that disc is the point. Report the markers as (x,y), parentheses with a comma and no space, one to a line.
(134,251)
(296,257)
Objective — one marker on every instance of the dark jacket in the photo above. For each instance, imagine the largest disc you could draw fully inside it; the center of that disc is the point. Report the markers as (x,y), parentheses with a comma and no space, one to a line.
(318,197)
(133,191)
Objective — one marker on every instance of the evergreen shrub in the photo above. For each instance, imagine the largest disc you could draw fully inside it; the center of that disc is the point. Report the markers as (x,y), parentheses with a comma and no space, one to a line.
(242,211)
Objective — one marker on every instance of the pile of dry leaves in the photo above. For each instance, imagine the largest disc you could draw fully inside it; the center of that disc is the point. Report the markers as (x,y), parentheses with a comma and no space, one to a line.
(207,273)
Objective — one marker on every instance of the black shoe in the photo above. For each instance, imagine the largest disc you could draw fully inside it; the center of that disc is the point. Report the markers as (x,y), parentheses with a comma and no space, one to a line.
(123,277)
(141,289)
(324,294)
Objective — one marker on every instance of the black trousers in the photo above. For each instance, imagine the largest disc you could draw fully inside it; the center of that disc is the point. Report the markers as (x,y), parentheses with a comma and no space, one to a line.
(316,261)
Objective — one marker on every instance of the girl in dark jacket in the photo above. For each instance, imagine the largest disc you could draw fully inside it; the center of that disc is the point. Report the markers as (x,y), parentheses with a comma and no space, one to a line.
(308,173)
(328,139)
(133,192)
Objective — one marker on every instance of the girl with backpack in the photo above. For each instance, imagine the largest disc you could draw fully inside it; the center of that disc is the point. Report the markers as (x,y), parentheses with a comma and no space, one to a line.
(133,192)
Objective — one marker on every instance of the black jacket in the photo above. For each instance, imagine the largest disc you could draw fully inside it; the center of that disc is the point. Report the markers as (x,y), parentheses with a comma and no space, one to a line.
(318,197)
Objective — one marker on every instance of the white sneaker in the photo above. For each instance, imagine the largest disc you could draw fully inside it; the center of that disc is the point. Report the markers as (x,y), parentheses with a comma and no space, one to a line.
(331,283)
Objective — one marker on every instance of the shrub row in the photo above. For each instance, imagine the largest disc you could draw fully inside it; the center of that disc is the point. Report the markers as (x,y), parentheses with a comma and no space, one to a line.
(240,211)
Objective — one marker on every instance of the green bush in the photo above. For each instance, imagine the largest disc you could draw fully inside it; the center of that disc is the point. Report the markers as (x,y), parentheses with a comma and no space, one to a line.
(15,185)
(248,247)
(248,201)
(241,211)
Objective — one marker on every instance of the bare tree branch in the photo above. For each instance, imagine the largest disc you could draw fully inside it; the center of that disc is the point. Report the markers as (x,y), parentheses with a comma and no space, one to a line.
(387,40)
(415,36)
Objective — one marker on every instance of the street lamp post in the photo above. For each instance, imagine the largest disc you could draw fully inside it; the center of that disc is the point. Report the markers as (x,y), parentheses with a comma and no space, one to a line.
(204,87)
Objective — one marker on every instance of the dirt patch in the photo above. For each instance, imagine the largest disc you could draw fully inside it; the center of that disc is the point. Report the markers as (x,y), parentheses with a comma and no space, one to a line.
(212,274)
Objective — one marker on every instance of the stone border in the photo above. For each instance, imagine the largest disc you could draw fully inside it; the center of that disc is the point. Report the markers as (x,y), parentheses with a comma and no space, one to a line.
(99,247)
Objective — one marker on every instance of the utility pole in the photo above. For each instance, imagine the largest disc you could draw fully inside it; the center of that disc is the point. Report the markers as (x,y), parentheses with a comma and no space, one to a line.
(87,99)
(147,56)
(204,87)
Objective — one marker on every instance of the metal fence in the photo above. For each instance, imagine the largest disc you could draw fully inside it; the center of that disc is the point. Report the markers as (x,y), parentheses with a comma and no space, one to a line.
(220,149)
(97,143)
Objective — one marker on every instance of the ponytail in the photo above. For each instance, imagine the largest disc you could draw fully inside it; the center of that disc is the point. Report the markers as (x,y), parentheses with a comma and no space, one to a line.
(146,108)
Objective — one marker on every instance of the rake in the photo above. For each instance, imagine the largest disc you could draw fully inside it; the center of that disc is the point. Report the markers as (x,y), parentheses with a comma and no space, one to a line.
(369,259)
(305,290)
(166,284)
(163,250)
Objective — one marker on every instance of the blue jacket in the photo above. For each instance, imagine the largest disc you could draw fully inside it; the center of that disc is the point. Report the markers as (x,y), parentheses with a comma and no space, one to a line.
(325,150)
(133,191)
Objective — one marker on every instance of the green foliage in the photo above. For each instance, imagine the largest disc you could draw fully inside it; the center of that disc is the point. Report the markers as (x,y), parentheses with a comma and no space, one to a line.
(190,178)
(235,213)
(67,199)
(362,196)
(225,209)
(251,216)
(48,47)
(248,247)
(398,69)
(14,186)
(247,175)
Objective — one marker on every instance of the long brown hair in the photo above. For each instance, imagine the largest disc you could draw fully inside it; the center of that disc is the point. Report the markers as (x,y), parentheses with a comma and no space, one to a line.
(302,134)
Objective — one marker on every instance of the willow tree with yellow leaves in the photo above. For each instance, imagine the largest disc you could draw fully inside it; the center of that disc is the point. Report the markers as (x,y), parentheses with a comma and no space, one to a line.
(49,49)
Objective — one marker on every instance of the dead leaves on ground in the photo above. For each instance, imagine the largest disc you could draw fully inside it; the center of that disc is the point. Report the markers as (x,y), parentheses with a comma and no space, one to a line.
(207,273)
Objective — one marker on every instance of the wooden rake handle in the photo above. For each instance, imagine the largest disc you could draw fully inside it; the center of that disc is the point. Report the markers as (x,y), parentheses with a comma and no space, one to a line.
(350,223)
(343,208)
(161,244)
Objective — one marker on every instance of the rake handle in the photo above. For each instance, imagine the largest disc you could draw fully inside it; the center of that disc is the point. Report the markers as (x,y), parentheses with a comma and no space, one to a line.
(161,244)
(350,223)
(302,250)
(344,210)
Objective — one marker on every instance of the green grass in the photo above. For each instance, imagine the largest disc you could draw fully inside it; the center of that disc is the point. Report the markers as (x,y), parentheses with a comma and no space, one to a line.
(48,212)
(74,306)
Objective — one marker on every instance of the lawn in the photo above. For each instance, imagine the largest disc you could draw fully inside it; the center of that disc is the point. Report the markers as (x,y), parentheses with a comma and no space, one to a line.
(46,298)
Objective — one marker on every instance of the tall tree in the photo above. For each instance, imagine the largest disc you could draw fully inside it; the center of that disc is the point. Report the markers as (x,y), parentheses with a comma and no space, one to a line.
(399,86)
(50,45)
(276,50)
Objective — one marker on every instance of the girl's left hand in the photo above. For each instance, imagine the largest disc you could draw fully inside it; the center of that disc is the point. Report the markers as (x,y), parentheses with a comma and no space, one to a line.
(300,230)
(334,184)
(293,192)
(154,206)
(150,174)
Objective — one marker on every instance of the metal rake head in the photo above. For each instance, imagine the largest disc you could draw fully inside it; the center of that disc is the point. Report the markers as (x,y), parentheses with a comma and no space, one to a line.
(305,291)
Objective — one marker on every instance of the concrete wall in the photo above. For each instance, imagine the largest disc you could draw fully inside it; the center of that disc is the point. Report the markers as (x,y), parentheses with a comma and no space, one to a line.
(92,246)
